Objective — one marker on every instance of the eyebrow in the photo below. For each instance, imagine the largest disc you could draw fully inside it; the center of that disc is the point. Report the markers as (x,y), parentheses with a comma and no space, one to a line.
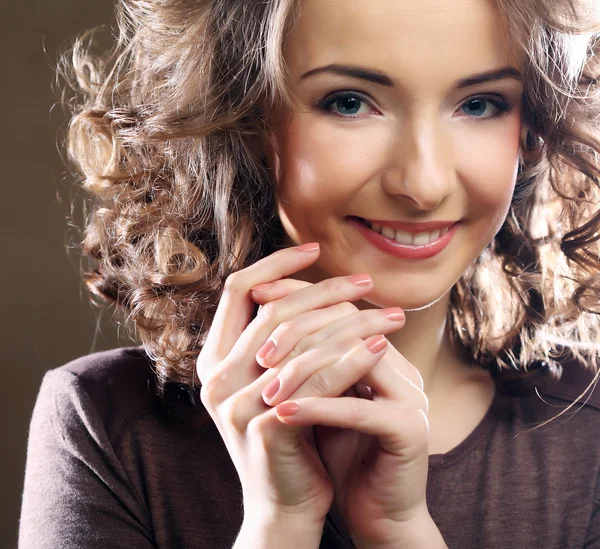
(381,78)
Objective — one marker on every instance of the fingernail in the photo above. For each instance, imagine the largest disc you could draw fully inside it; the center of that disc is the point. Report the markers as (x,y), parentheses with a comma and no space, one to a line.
(261,287)
(308,247)
(376,345)
(394,313)
(266,349)
(360,280)
(271,389)
(287,408)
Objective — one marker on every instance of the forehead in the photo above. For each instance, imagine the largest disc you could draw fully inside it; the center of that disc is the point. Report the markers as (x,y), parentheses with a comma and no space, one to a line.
(416,42)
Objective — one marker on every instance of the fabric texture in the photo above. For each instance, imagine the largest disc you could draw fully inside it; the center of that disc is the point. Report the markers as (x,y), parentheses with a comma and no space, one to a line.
(112,465)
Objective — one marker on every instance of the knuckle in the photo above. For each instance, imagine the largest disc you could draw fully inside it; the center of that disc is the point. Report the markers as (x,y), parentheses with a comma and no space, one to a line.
(303,346)
(200,368)
(336,284)
(233,283)
(294,367)
(268,313)
(211,393)
(262,428)
(234,413)
(284,330)
(320,384)
(207,395)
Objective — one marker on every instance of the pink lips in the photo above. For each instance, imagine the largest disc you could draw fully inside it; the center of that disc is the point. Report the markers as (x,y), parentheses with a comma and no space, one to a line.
(405,251)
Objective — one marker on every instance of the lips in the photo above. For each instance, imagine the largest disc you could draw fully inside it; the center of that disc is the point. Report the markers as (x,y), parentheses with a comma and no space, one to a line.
(404,251)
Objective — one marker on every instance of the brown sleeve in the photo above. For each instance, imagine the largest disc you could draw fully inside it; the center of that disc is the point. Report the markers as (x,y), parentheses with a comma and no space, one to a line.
(76,492)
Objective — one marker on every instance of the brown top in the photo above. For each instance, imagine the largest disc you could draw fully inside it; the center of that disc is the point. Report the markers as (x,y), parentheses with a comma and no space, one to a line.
(110,466)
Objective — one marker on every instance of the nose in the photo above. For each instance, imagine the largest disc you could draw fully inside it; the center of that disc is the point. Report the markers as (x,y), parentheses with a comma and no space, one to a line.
(420,169)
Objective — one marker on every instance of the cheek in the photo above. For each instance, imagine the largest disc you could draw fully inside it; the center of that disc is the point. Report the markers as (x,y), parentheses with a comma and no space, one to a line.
(488,168)
(324,162)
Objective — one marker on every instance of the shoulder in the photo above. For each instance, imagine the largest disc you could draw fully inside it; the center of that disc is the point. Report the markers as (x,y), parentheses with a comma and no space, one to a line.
(118,387)
(118,384)
(578,382)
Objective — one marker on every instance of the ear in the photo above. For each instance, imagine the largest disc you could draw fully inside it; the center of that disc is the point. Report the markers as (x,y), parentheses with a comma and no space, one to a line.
(272,154)
(531,146)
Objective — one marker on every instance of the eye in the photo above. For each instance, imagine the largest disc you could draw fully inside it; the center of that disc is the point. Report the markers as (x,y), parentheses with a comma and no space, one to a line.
(350,104)
(347,104)
(480,105)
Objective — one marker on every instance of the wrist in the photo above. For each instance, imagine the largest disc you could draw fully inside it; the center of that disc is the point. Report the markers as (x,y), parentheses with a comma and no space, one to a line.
(419,533)
(279,531)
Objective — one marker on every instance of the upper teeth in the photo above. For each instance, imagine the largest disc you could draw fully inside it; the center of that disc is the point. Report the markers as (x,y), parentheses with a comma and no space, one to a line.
(404,237)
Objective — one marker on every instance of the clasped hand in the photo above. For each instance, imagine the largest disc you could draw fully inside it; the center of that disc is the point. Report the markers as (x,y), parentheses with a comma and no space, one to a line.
(360,414)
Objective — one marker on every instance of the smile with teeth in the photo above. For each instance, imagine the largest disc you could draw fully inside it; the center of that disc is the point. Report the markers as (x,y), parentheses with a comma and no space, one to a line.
(406,238)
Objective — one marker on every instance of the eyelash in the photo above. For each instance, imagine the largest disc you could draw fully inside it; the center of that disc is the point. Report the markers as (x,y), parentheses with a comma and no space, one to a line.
(504,107)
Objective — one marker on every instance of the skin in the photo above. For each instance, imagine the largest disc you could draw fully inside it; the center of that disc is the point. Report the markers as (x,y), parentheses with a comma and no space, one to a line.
(419,150)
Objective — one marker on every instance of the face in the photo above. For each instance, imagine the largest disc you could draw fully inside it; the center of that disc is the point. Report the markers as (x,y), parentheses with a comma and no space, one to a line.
(408,143)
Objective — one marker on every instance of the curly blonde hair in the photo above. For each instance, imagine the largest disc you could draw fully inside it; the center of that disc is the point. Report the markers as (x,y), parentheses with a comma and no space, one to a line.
(168,134)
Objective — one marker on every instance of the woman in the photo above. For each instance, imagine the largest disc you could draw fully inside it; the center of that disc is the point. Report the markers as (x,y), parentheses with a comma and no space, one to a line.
(246,159)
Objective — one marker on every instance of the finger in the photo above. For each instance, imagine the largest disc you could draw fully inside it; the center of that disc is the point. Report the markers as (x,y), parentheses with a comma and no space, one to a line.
(325,371)
(277,290)
(236,306)
(288,334)
(243,405)
(398,427)
(284,286)
(264,293)
(316,296)
(313,329)
(389,380)
(248,402)
(396,360)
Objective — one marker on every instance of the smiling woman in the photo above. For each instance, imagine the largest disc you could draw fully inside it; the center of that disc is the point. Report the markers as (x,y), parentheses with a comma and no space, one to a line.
(359,247)
(428,131)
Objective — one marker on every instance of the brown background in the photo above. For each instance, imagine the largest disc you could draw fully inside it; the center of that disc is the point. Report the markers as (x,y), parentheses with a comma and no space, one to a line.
(46,318)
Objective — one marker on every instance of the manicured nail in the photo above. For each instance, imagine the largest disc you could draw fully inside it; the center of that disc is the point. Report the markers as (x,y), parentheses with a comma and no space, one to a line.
(266,349)
(271,389)
(378,344)
(394,313)
(308,247)
(360,280)
(261,287)
(287,408)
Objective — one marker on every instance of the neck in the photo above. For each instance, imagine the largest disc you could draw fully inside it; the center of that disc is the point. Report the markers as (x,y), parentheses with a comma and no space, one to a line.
(425,343)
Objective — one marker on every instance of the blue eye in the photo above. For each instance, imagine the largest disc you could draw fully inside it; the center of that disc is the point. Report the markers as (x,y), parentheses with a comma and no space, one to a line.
(479,106)
(347,104)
